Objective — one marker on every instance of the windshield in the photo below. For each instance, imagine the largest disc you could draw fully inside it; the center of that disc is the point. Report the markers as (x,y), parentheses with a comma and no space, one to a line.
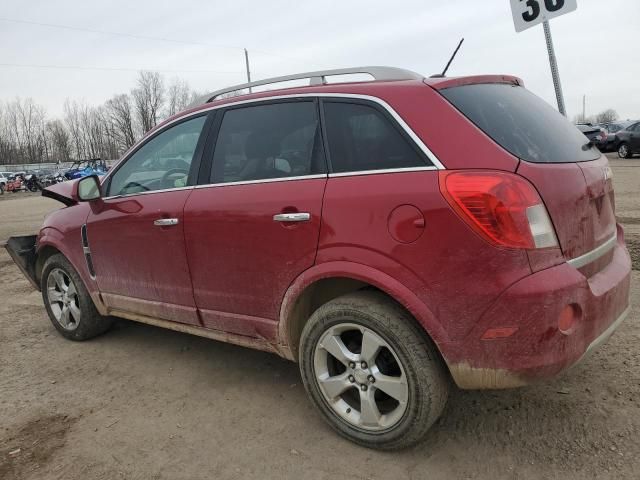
(522,123)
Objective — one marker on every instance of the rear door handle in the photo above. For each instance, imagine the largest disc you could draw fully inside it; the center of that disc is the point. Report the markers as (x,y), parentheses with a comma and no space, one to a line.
(292,217)
(165,222)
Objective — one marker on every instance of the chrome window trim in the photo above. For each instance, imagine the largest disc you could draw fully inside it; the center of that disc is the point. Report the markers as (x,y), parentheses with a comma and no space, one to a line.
(437,165)
(593,255)
(382,171)
(264,180)
(432,156)
(175,189)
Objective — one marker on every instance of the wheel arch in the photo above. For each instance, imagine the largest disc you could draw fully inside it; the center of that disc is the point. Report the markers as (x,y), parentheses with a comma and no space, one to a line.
(327,281)
(51,242)
(44,253)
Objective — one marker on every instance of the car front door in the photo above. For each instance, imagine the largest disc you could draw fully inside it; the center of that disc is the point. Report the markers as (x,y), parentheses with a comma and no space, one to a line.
(252,227)
(136,234)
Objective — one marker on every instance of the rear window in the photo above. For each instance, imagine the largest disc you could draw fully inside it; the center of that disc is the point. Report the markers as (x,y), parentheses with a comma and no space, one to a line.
(522,123)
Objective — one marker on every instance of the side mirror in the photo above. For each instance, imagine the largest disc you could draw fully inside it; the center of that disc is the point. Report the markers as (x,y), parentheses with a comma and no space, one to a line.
(89,188)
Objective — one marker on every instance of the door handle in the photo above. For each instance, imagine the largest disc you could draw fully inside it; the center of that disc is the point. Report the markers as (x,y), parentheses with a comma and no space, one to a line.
(292,217)
(165,222)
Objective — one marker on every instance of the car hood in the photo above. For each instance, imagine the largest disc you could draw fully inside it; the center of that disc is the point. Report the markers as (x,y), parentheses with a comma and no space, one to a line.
(61,192)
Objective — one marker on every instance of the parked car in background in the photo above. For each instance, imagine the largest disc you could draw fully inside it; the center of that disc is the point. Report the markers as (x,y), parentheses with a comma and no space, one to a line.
(594,133)
(611,128)
(83,168)
(320,224)
(15,183)
(628,140)
(4,178)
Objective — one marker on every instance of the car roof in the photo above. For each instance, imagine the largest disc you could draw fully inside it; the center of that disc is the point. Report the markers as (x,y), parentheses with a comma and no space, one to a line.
(390,79)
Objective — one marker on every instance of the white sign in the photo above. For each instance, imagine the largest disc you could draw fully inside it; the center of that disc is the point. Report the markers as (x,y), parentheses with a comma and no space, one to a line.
(527,13)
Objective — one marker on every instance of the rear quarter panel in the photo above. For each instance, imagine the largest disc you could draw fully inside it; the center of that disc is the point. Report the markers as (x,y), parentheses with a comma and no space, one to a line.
(451,270)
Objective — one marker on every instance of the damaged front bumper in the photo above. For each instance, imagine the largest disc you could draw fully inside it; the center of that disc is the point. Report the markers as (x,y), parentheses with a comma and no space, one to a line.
(23,252)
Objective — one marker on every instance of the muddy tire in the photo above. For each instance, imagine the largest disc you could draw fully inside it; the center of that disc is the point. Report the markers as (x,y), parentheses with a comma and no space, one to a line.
(374,375)
(68,303)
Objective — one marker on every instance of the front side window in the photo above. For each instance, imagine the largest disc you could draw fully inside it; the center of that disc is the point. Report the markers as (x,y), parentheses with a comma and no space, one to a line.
(161,163)
(362,138)
(268,141)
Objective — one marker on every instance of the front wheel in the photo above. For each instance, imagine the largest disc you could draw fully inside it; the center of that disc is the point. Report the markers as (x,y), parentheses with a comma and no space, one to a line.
(68,303)
(375,377)
(624,151)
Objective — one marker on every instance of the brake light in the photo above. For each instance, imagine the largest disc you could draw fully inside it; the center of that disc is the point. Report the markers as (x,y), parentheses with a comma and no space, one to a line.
(503,208)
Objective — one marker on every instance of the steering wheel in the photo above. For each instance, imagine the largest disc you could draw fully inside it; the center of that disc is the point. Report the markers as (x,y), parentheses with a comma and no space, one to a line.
(174,171)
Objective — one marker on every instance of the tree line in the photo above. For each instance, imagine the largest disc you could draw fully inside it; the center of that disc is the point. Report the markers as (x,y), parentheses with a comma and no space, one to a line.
(28,135)
(606,116)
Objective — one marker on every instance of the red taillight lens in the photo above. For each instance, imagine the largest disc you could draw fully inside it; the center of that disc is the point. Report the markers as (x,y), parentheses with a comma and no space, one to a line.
(502,207)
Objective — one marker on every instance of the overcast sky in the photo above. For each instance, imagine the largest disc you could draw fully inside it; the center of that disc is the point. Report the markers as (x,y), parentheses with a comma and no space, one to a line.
(597,46)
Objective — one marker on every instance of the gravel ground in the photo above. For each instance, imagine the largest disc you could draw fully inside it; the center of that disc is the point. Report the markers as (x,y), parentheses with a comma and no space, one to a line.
(146,403)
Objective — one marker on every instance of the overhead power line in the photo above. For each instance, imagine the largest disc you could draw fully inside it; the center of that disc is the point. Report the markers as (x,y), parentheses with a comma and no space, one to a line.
(137,36)
(118,69)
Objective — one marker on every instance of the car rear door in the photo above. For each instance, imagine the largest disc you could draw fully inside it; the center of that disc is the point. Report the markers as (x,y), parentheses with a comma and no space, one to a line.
(135,236)
(252,225)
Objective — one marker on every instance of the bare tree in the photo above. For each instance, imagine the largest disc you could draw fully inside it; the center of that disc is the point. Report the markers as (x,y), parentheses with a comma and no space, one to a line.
(27,135)
(149,98)
(26,120)
(606,116)
(120,114)
(73,120)
(178,96)
(59,141)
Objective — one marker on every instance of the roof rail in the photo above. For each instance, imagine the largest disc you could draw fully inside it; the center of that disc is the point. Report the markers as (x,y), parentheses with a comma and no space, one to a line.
(320,78)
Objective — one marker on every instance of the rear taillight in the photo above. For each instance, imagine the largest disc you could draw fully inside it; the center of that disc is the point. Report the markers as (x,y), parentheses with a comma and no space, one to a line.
(501,207)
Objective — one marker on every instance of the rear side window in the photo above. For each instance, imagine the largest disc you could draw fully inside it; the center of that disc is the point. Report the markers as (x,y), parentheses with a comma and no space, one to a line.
(268,141)
(522,123)
(361,138)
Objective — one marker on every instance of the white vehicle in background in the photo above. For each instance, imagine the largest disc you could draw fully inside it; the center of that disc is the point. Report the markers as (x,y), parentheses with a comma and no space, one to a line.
(4,178)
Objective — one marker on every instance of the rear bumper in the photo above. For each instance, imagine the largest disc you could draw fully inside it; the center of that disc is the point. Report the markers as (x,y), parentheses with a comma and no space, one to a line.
(23,252)
(537,349)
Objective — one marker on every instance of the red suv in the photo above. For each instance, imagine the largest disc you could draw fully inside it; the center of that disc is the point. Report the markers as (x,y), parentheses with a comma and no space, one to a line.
(390,236)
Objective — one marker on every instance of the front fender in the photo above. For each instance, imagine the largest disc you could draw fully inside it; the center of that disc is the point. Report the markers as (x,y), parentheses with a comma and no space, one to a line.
(367,274)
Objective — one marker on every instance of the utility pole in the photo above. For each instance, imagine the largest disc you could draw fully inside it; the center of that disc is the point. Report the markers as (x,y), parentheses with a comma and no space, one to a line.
(584,108)
(246,61)
(554,68)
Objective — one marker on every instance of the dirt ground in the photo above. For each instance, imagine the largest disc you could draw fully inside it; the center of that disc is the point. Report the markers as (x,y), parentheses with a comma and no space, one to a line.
(146,403)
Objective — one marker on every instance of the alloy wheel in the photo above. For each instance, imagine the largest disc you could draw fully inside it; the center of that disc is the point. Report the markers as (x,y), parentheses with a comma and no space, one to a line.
(623,151)
(63,299)
(361,377)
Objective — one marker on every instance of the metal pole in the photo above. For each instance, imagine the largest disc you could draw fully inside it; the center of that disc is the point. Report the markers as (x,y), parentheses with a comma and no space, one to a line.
(554,68)
(584,108)
(246,61)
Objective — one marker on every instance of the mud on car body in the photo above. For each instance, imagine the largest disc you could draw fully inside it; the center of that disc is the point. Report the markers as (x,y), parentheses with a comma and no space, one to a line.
(343,226)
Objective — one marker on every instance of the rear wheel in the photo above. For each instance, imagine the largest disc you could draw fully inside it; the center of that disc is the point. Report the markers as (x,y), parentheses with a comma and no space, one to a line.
(376,379)
(68,303)
(624,151)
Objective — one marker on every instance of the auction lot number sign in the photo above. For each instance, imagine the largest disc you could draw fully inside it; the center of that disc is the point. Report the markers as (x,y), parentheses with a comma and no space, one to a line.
(527,13)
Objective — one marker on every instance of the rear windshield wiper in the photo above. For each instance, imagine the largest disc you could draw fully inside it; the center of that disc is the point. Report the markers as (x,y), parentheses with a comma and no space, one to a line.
(588,146)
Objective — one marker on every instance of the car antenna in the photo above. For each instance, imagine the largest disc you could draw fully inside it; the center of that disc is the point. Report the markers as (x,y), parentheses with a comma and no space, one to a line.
(444,72)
